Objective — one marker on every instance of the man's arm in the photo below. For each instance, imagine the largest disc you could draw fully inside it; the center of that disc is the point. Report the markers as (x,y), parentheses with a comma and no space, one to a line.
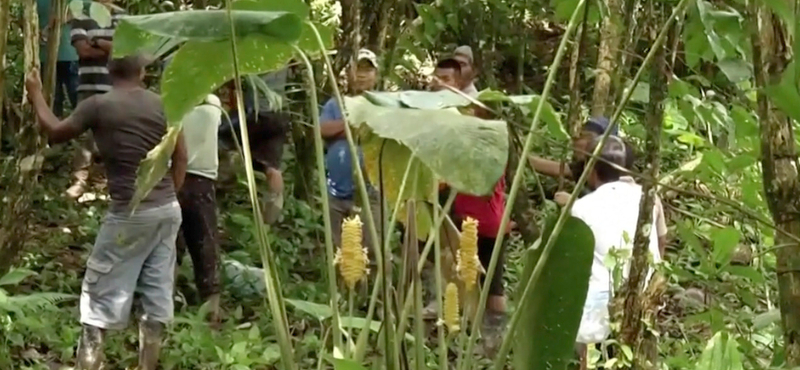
(180,160)
(87,51)
(105,46)
(549,168)
(661,226)
(57,131)
(332,129)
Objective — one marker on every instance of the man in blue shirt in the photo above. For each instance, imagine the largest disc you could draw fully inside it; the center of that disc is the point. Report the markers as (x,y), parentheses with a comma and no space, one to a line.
(67,63)
(342,190)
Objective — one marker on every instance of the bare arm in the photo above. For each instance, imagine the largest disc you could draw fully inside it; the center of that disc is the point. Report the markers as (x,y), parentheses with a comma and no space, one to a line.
(332,129)
(549,168)
(87,51)
(105,46)
(56,130)
(180,160)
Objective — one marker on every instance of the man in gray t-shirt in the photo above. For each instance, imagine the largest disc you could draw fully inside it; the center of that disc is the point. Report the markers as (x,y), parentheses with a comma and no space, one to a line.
(134,249)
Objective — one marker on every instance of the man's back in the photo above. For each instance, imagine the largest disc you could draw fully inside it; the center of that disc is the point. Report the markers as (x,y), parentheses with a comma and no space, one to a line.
(127,124)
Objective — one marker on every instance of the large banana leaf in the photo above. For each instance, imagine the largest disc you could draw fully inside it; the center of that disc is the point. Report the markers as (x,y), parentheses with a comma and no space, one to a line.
(266,32)
(468,153)
(547,330)
(213,25)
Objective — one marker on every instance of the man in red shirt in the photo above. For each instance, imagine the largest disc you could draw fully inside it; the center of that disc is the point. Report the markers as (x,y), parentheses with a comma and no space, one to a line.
(487,210)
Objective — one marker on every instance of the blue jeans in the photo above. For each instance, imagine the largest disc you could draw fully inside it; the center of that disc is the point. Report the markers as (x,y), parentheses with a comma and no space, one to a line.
(66,81)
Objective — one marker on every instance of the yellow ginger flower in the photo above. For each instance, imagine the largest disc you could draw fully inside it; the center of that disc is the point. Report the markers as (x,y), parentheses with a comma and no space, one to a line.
(451,314)
(351,256)
(468,265)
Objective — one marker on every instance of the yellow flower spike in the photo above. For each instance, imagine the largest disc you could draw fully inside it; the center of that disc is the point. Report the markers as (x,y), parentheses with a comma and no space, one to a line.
(468,264)
(351,256)
(451,314)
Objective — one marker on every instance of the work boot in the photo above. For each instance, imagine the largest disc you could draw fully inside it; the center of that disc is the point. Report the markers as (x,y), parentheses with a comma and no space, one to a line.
(272,205)
(90,349)
(150,333)
(213,310)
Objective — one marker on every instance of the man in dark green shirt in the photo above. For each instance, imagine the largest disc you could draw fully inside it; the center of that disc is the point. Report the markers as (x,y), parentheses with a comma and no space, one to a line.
(67,63)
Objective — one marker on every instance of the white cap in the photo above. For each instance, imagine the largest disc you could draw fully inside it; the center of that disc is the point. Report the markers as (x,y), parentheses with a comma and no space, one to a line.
(369,56)
(464,50)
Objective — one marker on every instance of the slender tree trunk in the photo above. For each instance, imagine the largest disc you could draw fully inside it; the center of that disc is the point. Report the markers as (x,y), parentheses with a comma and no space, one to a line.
(53,41)
(5,6)
(771,54)
(607,60)
(632,328)
(349,40)
(576,77)
(17,189)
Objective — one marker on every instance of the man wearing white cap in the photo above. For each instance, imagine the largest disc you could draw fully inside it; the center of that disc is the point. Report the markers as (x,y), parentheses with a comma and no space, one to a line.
(338,160)
(463,54)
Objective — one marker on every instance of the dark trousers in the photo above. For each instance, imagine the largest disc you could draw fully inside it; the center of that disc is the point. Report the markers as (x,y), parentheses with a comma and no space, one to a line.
(66,86)
(199,232)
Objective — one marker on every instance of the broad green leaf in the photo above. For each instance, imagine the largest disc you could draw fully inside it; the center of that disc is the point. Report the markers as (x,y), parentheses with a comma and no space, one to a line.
(785,94)
(213,25)
(704,8)
(765,319)
(747,272)
(76,9)
(319,311)
(721,353)
(735,69)
(15,276)
(418,99)
(530,102)
(130,40)
(154,167)
(547,330)
(344,364)
(359,322)
(100,14)
(725,242)
(468,153)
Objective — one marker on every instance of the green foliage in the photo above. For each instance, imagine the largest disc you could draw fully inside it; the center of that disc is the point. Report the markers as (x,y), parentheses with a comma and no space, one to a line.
(550,322)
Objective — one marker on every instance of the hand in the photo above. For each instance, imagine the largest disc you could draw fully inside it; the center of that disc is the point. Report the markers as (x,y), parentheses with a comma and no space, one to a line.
(561,198)
(32,82)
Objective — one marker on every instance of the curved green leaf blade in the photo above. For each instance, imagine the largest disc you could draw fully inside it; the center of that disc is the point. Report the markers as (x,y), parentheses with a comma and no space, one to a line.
(549,324)
(318,311)
(154,167)
(468,153)
(15,276)
(100,14)
(213,25)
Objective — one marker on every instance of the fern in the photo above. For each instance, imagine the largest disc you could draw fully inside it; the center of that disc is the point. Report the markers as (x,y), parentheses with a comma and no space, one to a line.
(23,304)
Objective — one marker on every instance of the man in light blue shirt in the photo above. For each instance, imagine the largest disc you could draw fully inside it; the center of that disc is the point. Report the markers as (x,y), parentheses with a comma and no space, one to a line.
(342,191)
(67,64)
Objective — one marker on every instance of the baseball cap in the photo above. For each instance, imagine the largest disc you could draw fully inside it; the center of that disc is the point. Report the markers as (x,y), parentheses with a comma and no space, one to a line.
(599,125)
(369,56)
(614,150)
(464,50)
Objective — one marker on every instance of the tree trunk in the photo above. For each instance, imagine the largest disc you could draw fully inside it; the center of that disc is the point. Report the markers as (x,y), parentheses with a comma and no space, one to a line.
(18,187)
(5,6)
(632,330)
(771,54)
(610,36)
(575,78)
(53,41)
(349,40)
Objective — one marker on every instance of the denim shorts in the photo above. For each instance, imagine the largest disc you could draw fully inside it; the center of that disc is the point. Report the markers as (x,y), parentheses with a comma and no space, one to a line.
(132,254)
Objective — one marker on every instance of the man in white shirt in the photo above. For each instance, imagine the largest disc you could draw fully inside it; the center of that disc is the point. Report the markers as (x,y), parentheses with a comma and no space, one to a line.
(198,200)
(611,210)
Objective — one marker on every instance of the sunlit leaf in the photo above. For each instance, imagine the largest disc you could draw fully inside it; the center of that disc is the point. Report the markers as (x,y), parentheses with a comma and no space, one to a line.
(725,242)
(765,319)
(345,364)
(547,330)
(735,69)
(213,25)
(319,311)
(359,322)
(154,166)
(721,353)
(468,153)
(785,94)
(15,276)
(100,14)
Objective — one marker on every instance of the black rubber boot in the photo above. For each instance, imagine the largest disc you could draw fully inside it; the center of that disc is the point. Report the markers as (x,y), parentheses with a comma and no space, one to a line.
(150,334)
(90,349)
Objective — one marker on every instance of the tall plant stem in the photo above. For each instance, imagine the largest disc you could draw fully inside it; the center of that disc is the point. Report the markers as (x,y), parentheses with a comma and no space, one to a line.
(274,294)
(393,360)
(326,215)
(423,257)
(505,348)
(515,186)
(437,252)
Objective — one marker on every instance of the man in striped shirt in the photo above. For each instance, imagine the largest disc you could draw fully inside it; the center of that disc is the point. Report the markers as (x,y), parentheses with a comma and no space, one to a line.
(93,44)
